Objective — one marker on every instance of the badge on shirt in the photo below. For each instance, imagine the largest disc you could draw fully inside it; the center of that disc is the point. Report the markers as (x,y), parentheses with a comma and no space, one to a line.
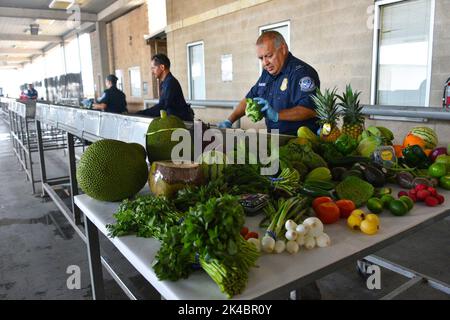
(284,84)
(307,84)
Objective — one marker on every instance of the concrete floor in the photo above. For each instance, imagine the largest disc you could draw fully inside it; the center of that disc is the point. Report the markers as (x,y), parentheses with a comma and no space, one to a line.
(37,245)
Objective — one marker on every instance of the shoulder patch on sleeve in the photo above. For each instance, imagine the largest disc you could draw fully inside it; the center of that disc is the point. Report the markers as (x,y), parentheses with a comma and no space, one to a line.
(102,97)
(307,84)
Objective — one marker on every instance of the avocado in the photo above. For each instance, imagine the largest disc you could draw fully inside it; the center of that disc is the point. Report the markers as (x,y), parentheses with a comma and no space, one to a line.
(374,176)
(337,173)
(354,173)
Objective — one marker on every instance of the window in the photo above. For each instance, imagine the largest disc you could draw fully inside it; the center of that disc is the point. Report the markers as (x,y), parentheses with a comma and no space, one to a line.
(87,73)
(135,81)
(119,75)
(282,27)
(196,71)
(402,52)
(72,56)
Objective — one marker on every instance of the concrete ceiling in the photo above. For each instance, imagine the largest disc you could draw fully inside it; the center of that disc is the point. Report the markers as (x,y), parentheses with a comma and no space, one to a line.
(16,16)
(90,6)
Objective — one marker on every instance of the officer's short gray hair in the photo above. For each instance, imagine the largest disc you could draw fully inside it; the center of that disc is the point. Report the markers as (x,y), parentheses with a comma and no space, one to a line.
(272,35)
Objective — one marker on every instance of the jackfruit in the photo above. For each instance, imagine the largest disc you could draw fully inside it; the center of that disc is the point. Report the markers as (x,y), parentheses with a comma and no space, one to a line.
(159,134)
(111,170)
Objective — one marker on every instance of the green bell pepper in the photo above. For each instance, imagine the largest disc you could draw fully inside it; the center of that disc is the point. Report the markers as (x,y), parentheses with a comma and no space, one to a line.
(253,111)
(346,144)
(415,157)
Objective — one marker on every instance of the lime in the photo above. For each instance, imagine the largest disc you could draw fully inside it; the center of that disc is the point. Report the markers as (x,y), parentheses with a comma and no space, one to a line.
(386,200)
(444,182)
(398,208)
(437,170)
(375,205)
(322,174)
(408,201)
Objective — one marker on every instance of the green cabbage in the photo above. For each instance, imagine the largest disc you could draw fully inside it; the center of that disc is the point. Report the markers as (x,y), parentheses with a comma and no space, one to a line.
(368,145)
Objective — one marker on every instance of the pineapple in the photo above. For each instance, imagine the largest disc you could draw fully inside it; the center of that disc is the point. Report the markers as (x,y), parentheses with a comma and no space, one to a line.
(353,124)
(327,112)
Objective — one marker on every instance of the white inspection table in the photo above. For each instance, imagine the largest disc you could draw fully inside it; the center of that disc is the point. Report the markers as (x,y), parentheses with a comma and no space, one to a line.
(276,275)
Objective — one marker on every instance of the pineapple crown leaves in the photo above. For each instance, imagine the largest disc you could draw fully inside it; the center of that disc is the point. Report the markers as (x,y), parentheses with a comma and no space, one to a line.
(326,106)
(349,101)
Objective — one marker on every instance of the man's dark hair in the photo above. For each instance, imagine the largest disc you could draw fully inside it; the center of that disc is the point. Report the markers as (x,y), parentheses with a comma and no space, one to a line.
(161,59)
(112,78)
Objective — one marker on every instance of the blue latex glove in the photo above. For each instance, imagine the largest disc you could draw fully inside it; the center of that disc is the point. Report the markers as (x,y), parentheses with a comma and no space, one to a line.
(225,124)
(267,110)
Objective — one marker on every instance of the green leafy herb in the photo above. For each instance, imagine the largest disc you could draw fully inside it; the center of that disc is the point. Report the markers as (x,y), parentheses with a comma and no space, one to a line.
(172,262)
(147,216)
(242,179)
(213,228)
(253,110)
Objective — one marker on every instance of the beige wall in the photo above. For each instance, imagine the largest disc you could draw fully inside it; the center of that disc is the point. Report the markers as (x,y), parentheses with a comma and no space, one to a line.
(331,35)
(127,48)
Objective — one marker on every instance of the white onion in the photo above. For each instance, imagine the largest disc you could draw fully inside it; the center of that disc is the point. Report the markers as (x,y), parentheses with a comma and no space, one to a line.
(310,242)
(323,240)
(290,225)
(280,246)
(291,235)
(268,244)
(292,247)
(315,226)
(301,230)
(300,240)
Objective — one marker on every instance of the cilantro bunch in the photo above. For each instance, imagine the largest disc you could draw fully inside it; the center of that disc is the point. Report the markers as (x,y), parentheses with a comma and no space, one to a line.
(146,216)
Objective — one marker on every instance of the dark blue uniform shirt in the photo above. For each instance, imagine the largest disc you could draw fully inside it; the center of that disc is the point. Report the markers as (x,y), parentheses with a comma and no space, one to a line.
(292,87)
(32,94)
(115,100)
(171,100)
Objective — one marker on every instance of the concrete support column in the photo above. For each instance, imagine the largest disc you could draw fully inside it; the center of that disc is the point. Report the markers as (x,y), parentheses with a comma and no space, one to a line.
(103,56)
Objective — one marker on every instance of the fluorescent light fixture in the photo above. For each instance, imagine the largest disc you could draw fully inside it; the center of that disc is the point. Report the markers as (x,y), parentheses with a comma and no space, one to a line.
(45,22)
(60,4)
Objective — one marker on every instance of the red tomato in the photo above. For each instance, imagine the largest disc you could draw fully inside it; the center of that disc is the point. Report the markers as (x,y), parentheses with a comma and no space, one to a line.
(346,208)
(318,201)
(251,235)
(328,212)
(244,231)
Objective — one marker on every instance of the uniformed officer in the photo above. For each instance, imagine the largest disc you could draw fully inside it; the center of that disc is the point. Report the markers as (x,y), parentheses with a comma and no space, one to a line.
(171,96)
(284,88)
(113,100)
(31,93)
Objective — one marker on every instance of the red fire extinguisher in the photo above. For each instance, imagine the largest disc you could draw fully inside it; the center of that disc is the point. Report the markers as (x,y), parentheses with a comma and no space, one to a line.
(446,98)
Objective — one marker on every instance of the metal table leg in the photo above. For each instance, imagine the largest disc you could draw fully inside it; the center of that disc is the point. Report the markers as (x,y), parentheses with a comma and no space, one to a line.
(41,155)
(30,158)
(95,263)
(73,179)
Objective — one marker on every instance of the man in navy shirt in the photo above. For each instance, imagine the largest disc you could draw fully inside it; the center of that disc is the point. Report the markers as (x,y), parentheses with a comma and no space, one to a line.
(171,96)
(31,93)
(284,89)
(113,100)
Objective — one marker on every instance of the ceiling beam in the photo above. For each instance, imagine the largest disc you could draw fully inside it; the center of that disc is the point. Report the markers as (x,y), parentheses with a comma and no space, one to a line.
(44,14)
(28,37)
(117,9)
(83,28)
(14,59)
(11,66)
(20,51)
